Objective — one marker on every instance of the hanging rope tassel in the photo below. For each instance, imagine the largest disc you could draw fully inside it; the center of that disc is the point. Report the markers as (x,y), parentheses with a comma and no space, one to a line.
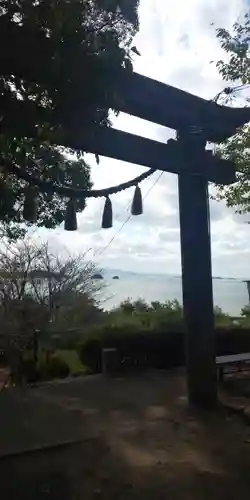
(70,220)
(30,205)
(137,208)
(107,217)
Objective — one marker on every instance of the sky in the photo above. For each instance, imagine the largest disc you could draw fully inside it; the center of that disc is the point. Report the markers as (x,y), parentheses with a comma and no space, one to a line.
(177,44)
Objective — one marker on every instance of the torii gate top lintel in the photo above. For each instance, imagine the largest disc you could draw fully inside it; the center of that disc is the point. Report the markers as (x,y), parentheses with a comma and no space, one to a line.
(168,106)
(174,108)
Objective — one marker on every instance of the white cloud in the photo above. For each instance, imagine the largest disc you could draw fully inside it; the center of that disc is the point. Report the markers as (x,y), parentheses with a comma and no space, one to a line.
(177,43)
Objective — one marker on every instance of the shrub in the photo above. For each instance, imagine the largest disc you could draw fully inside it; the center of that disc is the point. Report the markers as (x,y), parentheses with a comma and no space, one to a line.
(232,340)
(53,367)
(158,316)
(90,354)
(222,320)
(154,349)
(137,350)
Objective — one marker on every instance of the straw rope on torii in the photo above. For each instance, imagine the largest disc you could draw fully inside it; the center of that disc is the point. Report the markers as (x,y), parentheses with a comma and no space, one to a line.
(70,222)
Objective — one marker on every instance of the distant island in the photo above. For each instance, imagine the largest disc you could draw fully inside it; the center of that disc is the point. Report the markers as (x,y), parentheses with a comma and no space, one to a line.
(97,276)
(116,278)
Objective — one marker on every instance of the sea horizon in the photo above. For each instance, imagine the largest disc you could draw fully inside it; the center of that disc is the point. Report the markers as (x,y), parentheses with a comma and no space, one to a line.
(230,293)
(116,271)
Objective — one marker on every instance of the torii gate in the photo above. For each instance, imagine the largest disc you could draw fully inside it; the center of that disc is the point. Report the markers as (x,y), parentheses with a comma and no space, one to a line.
(196,121)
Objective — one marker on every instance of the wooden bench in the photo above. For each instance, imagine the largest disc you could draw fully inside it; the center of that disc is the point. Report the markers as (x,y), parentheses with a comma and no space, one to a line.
(238,362)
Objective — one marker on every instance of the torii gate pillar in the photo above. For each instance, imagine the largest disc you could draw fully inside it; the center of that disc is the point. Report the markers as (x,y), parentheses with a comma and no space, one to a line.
(197,289)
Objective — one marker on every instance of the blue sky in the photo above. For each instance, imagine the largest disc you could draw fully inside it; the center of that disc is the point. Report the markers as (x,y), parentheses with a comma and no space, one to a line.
(177,44)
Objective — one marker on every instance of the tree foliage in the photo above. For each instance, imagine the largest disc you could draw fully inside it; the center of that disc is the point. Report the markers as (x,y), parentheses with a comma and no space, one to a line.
(40,290)
(59,67)
(236,69)
(154,316)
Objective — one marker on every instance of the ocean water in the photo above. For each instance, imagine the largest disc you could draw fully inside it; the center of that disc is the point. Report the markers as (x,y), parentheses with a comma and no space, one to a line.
(229,294)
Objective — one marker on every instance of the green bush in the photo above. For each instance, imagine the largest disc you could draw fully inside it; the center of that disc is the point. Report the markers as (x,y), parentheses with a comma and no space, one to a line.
(160,349)
(136,349)
(90,351)
(157,316)
(54,367)
(90,354)
(72,359)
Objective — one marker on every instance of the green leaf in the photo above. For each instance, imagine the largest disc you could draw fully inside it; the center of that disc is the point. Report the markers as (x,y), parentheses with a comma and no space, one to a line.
(54,88)
(235,67)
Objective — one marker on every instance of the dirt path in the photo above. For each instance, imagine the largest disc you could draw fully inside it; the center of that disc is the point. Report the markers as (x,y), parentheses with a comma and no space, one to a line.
(141,441)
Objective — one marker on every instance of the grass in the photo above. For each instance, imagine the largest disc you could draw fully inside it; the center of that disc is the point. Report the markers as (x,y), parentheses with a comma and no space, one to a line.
(70,356)
(72,359)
